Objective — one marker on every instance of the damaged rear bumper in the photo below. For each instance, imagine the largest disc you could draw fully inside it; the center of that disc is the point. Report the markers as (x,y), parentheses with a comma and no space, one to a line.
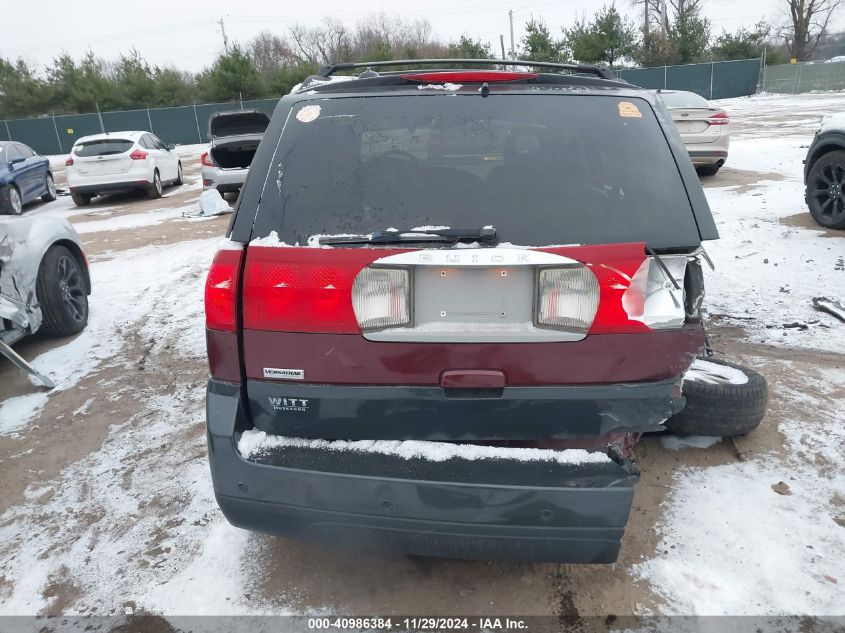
(490,509)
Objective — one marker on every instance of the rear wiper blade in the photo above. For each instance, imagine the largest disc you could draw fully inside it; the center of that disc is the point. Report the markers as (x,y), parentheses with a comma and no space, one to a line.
(485,234)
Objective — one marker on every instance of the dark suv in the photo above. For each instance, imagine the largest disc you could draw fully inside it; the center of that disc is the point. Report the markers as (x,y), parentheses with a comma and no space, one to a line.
(449,304)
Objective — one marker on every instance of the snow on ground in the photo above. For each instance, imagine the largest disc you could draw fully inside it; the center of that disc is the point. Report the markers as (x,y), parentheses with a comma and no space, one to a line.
(729,543)
(100,518)
(768,269)
(135,288)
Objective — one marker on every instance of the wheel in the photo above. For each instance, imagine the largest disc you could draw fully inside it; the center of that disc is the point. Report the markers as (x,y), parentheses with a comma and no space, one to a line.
(60,289)
(81,199)
(825,193)
(51,189)
(154,191)
(708,170)
(10,200)
(179,181)
(719,403)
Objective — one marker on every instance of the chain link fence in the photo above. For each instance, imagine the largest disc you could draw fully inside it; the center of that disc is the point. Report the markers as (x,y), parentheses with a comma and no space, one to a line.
(712,80)
(804,77)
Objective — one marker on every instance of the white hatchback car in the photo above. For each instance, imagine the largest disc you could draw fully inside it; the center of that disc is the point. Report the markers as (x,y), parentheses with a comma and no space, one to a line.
(120,161)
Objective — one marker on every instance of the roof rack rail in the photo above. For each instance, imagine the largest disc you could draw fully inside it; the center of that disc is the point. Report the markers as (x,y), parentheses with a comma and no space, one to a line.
(601,72)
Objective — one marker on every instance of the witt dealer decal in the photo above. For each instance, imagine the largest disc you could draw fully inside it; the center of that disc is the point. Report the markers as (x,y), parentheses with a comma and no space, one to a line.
(289,404)
(284,374)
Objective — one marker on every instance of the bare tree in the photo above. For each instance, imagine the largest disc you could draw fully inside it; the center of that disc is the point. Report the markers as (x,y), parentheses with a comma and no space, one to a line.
(270,52)
(321,45)
(808,22)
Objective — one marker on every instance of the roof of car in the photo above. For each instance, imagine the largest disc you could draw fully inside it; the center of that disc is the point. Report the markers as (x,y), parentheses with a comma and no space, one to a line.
(530,75)
(130,134)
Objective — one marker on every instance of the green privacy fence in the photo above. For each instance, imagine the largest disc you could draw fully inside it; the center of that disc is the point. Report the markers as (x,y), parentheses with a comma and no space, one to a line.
(189,124)
(795,78)
(181,125)
(713,80)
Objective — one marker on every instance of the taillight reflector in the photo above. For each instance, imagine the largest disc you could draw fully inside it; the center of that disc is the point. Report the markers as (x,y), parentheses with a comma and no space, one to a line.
(205,159)
(567,298)
(381,297)
(221,290)
(720,118)
(69,161)
(138,154)
(478,76)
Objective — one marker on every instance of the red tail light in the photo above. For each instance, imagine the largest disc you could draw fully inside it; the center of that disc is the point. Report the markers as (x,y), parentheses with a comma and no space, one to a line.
(139,154)
(69,161)
(468,77)
(205,159)
(297,290)
(221,290)
(720,118)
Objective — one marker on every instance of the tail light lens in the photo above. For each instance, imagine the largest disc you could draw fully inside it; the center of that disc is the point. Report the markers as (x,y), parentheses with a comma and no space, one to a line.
(295,289)
(652,298)
(205,159)
(69,161)
(221,290)
(381,297)
(720,118)
(567,298)
(139,154)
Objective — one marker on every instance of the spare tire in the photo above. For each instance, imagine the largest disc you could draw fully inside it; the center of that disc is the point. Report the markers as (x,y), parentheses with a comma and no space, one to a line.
(723,399)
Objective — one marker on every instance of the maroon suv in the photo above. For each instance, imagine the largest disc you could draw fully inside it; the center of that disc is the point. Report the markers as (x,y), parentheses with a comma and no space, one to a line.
(477,260)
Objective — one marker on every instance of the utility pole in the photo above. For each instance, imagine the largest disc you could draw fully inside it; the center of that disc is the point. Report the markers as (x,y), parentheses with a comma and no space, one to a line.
(664,20)
(646,24)
(513,46)
(223,31)
(502,42)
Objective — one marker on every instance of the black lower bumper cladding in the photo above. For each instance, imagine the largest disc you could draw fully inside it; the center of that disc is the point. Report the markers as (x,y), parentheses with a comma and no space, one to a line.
(490,509)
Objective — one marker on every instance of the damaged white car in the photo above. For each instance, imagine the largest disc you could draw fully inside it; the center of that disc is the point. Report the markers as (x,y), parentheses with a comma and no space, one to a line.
(44,282)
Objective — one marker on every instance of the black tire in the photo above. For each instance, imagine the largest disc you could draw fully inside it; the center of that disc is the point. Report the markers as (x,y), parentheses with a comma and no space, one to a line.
(61,292)
(825,193)
(155,189)
(708,170)
(11,202)
(179,179)
(722,410)
(81,199)
(50,186)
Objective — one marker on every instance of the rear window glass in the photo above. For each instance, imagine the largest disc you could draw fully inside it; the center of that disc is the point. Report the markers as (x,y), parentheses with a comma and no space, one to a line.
(541,169)
(683,100)
(102,148)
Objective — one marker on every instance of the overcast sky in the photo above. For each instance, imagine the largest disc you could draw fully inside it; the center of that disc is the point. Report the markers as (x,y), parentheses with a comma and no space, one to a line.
(184,33)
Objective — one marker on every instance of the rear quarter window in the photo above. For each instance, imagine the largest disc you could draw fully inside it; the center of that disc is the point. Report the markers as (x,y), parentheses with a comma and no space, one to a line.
(543,169)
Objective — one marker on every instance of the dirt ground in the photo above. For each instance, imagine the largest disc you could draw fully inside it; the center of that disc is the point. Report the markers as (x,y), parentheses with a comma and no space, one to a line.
(308,576)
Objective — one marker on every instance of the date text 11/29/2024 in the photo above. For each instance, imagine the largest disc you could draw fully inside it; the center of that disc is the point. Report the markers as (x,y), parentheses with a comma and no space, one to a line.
(417,624)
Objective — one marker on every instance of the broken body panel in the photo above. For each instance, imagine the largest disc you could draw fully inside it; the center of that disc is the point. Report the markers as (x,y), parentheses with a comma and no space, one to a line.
(23,243)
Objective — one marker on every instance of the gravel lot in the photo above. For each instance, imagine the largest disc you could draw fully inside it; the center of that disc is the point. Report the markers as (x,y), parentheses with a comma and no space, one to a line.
(106,505)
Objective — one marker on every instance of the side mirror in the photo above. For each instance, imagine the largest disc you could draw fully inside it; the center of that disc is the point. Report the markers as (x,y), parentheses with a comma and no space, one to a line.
(16,160)
(171,147)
